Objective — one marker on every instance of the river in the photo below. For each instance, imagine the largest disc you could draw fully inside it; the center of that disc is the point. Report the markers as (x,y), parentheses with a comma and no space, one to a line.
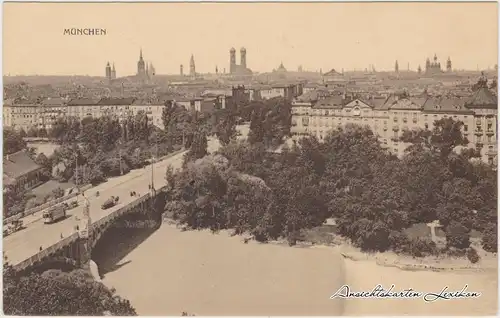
(205,274)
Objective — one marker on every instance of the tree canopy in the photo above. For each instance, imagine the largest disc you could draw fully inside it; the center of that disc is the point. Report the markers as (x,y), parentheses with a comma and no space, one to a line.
(373,195)
(56,293)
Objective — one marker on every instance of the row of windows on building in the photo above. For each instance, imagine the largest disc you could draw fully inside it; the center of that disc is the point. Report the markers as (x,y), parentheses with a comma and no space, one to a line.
(326,122)
(396,134)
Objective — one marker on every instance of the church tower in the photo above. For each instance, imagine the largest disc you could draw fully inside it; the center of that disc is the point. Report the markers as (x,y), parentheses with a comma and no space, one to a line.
(448,65)
(113,72)
(182,70)
(192,67)
(141,66)
(232,60)
(152,69)
(108,71)
(243,56)
(396,67)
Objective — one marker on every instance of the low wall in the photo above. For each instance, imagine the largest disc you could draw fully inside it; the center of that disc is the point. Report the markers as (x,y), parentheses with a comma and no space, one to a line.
(46,205)
(46,252)
(75,236)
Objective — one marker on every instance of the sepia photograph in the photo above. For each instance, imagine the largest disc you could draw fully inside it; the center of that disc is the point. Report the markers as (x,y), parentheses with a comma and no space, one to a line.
(250,159)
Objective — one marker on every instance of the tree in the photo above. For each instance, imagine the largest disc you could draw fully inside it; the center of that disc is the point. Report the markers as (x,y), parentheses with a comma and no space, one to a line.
(43,161)
(65,130)
(32,132)
(42,132)
(226,130)
(57,193)
(31,151)
(12,141)
(457,235)
(443,139)
(472,255)
(22,133)
(46,163)
(61,294)
(198,148)
(490,238)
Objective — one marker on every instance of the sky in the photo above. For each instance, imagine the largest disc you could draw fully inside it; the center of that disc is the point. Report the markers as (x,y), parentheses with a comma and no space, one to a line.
(315,35)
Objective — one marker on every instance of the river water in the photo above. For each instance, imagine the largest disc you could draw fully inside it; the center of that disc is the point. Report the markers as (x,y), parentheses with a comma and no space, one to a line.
(205,274)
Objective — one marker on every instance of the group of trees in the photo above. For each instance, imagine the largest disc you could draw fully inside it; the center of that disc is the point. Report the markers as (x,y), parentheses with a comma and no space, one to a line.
(270,121)
(60,294)
(373,195)
(95,148)
(12,141)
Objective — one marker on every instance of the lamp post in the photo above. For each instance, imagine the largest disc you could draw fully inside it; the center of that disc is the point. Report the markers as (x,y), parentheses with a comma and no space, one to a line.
(120,156)
(76,170)
(153,162)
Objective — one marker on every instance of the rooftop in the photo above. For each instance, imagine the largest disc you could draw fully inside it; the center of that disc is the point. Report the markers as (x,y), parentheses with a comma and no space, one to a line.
(116,101)
(82,102)
(331,102)
(18,164)
(483,97)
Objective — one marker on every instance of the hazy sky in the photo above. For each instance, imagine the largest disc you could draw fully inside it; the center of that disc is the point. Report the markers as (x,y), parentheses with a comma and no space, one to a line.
(315,35)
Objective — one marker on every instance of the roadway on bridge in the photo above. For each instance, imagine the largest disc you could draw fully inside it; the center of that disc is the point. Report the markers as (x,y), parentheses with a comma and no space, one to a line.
(23,244)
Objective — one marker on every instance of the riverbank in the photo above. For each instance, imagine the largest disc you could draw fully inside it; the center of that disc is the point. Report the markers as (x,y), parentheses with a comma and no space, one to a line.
(325,235)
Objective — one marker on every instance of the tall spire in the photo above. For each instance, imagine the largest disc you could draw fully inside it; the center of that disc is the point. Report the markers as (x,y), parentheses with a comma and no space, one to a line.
(192,67)
(140,54)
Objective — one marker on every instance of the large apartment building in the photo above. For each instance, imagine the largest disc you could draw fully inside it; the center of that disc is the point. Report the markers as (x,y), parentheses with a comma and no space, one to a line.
(45,113)
(389,117)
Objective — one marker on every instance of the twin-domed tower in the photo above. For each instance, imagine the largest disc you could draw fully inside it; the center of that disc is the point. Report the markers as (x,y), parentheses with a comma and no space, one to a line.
(235,68)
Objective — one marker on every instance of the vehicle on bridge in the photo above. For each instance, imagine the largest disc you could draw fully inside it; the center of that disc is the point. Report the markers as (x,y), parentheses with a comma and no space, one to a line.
(12,227)
(110,202)
(54,214)
(71,205)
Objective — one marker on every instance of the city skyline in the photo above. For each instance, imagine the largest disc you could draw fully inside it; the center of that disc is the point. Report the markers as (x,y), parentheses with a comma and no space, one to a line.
(340,35)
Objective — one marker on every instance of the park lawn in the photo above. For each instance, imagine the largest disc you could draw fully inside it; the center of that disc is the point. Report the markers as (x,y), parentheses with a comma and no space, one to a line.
(46,188)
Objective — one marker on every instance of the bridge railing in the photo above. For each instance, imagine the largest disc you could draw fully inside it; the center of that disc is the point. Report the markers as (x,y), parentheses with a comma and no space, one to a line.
(46,252)
(45,205)
(70,239)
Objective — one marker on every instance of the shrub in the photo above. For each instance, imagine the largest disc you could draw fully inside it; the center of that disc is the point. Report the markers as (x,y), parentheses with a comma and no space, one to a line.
(260,235)
(456,252)
(421,247)
(472,255)
(47,198)
(57,193)
(370,235)
(399,242)
(490,238)
(457,235)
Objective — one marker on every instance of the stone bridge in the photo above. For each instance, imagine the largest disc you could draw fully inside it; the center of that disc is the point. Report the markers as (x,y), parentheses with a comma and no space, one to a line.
(76,250)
